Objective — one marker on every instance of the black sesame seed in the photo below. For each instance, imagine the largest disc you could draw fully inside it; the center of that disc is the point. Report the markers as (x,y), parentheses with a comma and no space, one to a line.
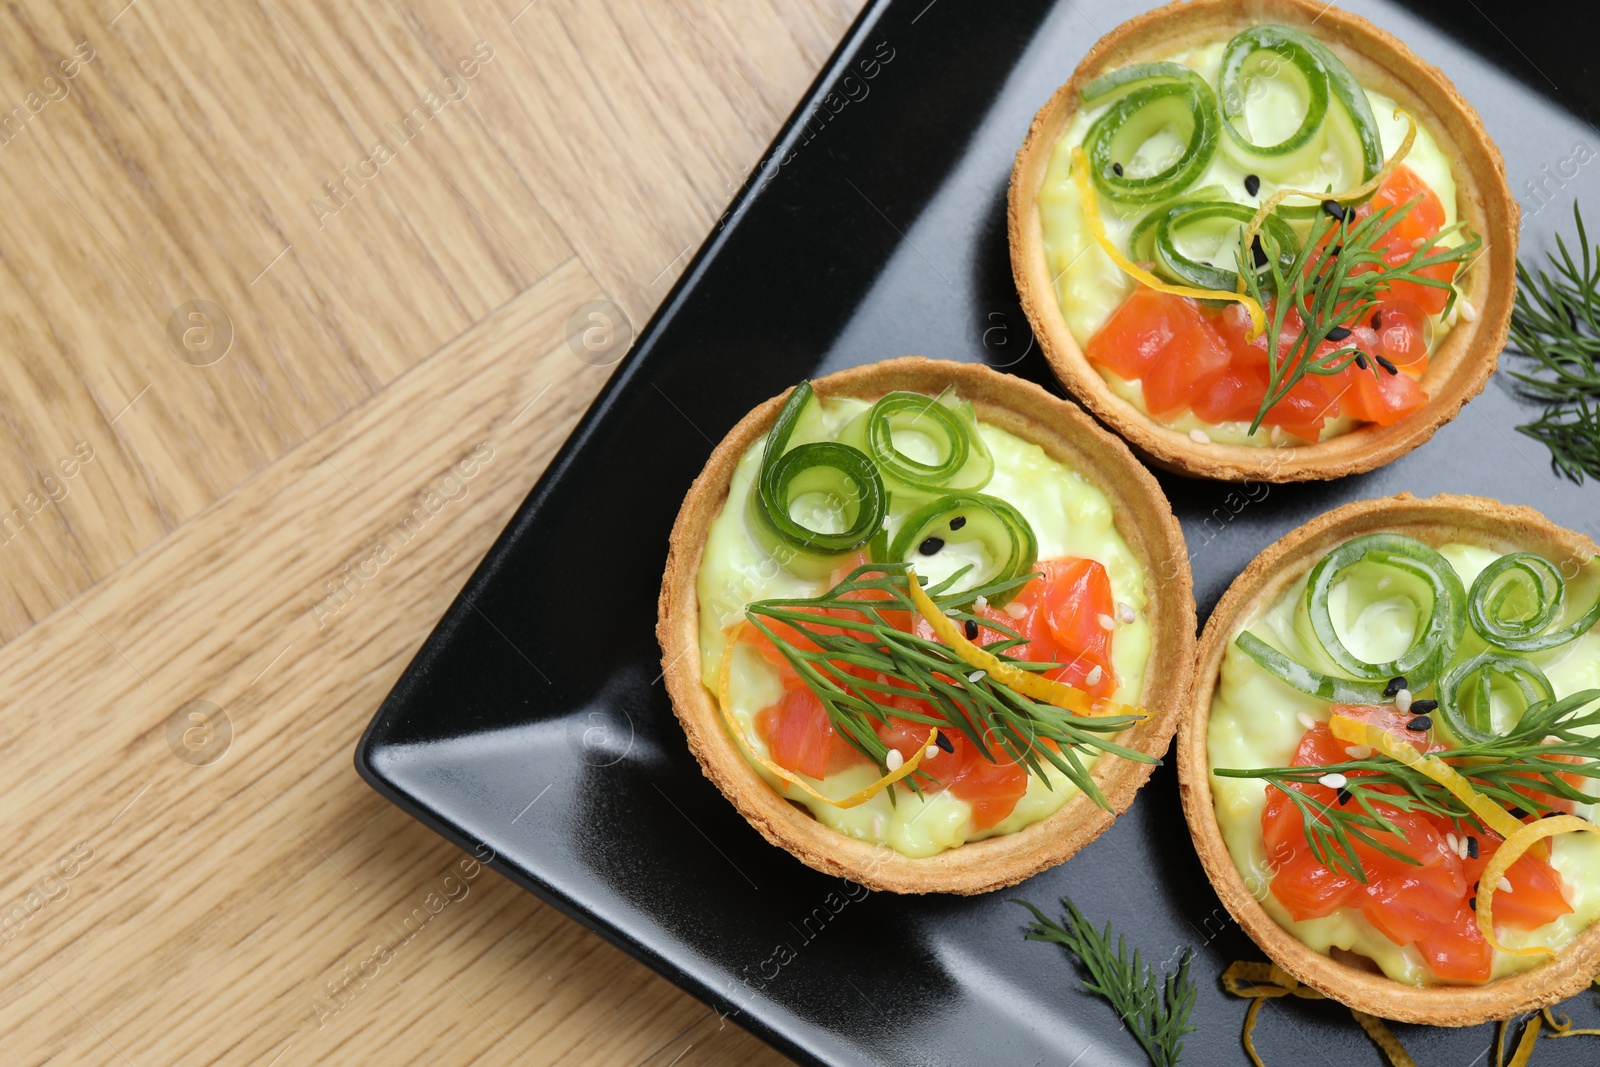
(1116,168)
(958,522)
(1361,360)
(1386,365)
(1394,686)
(1343,797)
(1338,333)
(1472,847)
(1518,813)
(1551,815)
(1424,707)
(1420,724)
(1252,184)
(1336,250)
(930,546)
(972,629)
(944,742)
(1472,902)
(1258,253)
(1377,319)
(1336,209)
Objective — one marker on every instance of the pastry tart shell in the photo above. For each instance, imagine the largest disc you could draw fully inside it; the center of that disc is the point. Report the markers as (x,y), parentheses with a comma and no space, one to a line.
(1436,521)
(1462,362)
(1144,520)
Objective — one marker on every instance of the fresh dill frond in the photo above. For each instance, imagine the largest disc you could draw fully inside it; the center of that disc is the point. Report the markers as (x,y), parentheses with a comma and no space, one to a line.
(1154,1004)
(858,662)
(1526,767)
(1555,323)
(1337,275)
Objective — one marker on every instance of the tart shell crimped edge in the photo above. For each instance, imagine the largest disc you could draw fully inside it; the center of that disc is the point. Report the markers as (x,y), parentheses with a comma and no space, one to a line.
(1436,520)
(1145,521)
(1460,366)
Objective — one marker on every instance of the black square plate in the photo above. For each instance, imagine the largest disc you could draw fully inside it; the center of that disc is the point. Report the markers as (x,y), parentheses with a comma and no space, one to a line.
(876,228)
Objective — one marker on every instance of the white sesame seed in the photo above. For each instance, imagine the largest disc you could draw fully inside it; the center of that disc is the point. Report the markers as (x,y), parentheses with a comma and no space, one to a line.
(977,676)
(1418,242)
(1334,780)
(1450,839)
(1504,885)
(1461,847)
(1358,751)
(1305,720)
(1402,700)
(1016,611)
(931,752)
(1125,613)
(982,603)
(952,612)
(1106,621)
(1094,676)
(1468,312)
(1199,436)
(893,760)
(1450,319)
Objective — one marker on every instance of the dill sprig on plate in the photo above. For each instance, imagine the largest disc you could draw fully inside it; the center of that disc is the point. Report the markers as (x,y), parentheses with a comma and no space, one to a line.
(1520,769)
(849,642)
(1154,1004)
(1333,282)
(1556,324)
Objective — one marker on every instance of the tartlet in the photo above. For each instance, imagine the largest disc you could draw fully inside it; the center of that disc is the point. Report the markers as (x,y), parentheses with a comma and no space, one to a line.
(1144,521)
(1460,365)
(1351,979)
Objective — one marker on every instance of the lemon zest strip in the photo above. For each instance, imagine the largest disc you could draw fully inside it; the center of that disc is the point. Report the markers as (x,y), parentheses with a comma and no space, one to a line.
(1491,814)
(1515,845)
(1037,686)
(1264,981)
(1091,214)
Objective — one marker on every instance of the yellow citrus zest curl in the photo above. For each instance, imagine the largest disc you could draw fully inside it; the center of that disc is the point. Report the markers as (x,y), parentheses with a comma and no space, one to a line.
(1369,186)
(1516,844)
(1488,812)
(1265,981)
(1037,686)
(860,796)
(1091,214)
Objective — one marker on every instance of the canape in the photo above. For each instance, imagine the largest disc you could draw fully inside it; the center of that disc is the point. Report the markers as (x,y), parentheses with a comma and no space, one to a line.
(1211,155)
(1391,748)
(1007,597)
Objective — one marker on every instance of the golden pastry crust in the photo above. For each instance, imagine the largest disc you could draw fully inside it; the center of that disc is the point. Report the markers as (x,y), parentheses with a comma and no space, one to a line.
(1145,522)
(1459,367)
(1437,521)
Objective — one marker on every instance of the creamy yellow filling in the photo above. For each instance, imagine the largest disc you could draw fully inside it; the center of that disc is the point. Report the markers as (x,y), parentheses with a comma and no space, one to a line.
(1070,517)
(1255,722)
(1089,286)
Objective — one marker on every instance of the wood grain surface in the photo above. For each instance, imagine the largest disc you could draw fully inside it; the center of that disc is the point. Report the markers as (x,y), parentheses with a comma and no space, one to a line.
(280,275)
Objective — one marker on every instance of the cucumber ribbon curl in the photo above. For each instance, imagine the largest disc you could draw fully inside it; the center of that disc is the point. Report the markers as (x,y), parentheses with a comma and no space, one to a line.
(1518,580)
(846,478)
(1331,93)
(1153,97)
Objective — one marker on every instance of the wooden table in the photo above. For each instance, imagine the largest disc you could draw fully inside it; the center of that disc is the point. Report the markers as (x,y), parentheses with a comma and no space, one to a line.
(277,274)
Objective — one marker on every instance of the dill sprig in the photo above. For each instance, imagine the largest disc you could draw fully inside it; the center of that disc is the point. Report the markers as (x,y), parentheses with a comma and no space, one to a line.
(1332,283)
(1556,324)
(1155,1005)
(1521,768)
(849,641)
